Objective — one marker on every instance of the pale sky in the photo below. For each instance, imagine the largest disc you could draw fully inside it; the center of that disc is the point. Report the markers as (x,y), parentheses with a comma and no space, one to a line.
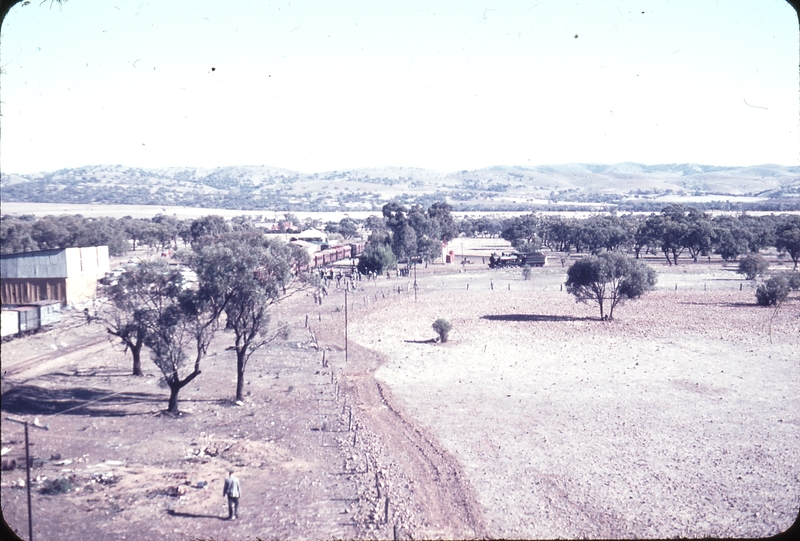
(332,85)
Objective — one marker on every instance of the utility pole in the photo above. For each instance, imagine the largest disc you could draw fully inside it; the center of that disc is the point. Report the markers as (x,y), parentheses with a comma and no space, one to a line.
(345,325)
(28,470)
(28,483)
(415,281)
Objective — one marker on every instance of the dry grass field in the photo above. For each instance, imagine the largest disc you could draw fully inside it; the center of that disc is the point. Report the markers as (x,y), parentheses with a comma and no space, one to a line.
(678,418)
(536,420)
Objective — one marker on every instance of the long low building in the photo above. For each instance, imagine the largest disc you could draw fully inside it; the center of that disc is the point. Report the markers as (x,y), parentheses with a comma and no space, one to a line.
(68,275)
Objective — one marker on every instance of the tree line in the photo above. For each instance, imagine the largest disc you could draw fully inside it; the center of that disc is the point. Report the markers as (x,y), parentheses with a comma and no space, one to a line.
(674,231)
(607,276)
(27,233)
(402,232)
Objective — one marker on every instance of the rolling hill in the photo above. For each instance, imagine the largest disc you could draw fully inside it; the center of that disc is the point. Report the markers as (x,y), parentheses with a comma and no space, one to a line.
(625,185)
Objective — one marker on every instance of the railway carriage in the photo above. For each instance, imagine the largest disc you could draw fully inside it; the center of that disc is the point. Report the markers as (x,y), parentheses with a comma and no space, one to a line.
(9,323)
(23,319)
(333,254)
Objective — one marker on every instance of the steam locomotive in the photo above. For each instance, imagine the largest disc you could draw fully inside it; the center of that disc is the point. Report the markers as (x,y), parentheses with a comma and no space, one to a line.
(515,259)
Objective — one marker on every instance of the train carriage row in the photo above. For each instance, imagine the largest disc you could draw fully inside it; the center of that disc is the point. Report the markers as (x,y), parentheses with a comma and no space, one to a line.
(335,253)
(18,320)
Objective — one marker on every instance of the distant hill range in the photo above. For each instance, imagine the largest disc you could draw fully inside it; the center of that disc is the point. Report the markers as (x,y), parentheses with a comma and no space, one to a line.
(626,186)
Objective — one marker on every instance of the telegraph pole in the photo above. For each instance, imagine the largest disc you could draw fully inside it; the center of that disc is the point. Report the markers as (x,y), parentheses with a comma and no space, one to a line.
(415,281)
(345,324)
(28,483)
(28,471)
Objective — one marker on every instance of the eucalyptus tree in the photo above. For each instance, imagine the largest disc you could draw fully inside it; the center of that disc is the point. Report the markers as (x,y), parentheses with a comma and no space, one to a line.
(729,238)
(244,274)
(610,277)
(440,214)
(761,230)
(483,226)
(346,227)
(523,230)
(423,237)
(787,237)
(666,231)
(134,228)
(168,229)
(699,233)
(208,226)
(604,232)
(175,322)
(557,233)
(404,241)
(123,317)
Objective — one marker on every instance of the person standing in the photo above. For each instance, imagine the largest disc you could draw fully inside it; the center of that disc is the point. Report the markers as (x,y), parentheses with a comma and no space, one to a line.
(232,490)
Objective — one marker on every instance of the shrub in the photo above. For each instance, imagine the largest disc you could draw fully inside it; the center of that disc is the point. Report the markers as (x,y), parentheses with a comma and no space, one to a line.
(56,486)
(376,258)
(442,328)
(752,265)
(772,291)
(793,278)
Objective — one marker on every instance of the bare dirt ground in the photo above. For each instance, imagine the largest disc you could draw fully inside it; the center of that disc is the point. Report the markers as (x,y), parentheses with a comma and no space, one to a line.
(320,450)
(678,418)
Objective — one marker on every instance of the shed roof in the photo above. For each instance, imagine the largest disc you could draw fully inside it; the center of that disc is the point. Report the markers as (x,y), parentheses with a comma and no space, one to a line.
(312,234)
